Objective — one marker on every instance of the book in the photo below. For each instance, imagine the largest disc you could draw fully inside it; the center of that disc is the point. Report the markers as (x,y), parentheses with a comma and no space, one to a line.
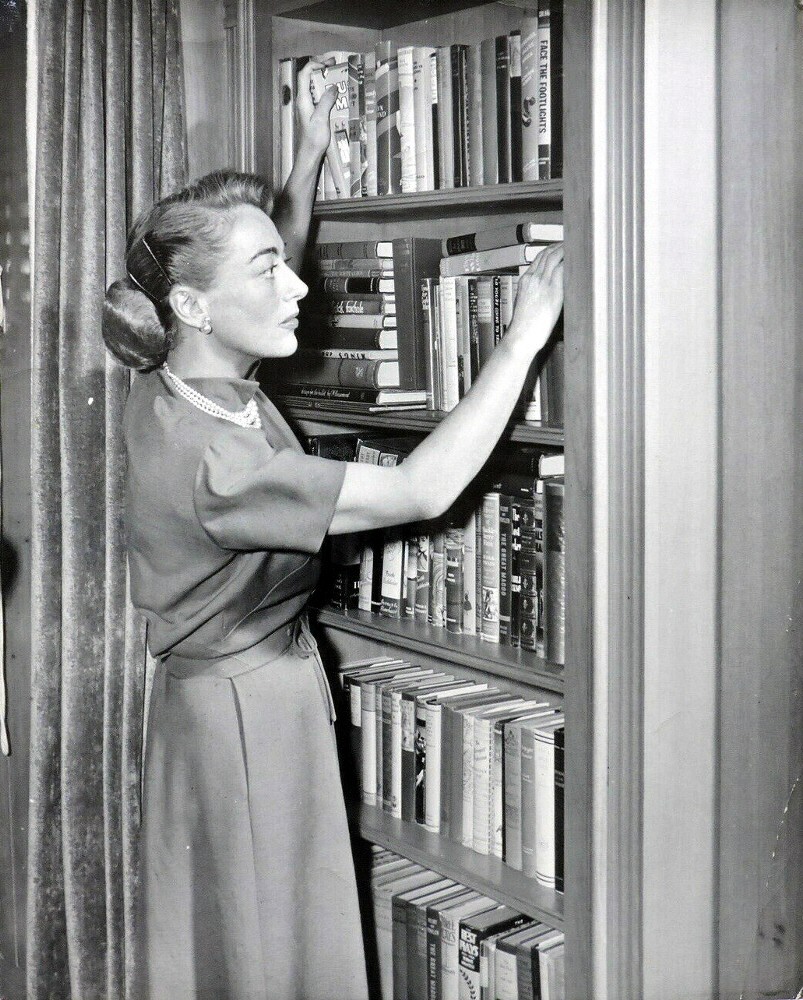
(342,353)
(483,261)
(423,118)
(349,373)
(474,115)
(417,971)
(554,572)
(407,119)
(502,236)
(358,136)
(450,919)
(359,305)
(393,570)
(341,394)
(351,322)
(288,75)
(431,343)
(504,960)
(355,338)
(415,258)
(552,969)
(338,153)
(457,66)
(490,146)
(366,249)
(503,108)
(369,76)
(544,769)
(530,109)
(383,893)
(449,343)
(346,267)
(436,126)
(437,580)
(408,706)
(434,944)
(560,786)
(473,931)
(388,136)
(514,67)
(490,567)
(446,133)
(355,284)
(453,555)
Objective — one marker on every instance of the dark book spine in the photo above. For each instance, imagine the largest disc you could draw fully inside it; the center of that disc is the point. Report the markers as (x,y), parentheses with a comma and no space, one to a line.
(515,573)
(351,338)
(422,579)
(473,329)
(431,343)
(552,382)
(490,145)
(505,555)
(356,285)
(416,258)
(514,49)
(420,763)
(408,758)
(554,572)
(357,134)
(433,63)
(355,249)
(331,393)
(528,575)
(410,575)
(556,88)
(388,138)
(377,544)
(503,107)
(560,784)
(347,372)
(363,306)
(467,243)
(497,306)
(458,114)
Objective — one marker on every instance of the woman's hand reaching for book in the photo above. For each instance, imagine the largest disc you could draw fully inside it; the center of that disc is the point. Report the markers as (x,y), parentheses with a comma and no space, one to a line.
(539,300)
(312,118)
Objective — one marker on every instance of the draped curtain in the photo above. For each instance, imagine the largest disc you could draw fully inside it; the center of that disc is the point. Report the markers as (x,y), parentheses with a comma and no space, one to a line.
(109,140)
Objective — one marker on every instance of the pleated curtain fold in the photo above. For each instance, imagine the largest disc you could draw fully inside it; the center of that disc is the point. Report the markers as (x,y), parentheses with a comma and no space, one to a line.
(109,140)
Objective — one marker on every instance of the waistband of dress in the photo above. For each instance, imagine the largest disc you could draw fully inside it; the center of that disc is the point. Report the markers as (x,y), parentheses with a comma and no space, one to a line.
(295,634)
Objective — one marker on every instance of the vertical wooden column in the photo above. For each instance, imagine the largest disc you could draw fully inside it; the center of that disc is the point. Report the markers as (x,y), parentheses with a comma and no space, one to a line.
(760,909)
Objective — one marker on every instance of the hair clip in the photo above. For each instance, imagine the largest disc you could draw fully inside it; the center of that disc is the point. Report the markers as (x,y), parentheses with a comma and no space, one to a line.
(162,271)
(142,288)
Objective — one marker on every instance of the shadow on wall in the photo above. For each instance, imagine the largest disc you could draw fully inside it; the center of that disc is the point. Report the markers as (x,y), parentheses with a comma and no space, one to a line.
(9,564)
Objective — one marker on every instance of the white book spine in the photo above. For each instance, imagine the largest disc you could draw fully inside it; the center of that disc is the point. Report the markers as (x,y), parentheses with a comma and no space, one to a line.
(483,735)
(354,705)
(449,345)
(396,751)
(407,119)
(366,579)
(370,120)
(468,780)
(512,796)
(506,983)
(422,96)
(287,88)
(432,782)
(449,957)
(544,751)
(497,793)
(481,261)
(368,746)
(378,745)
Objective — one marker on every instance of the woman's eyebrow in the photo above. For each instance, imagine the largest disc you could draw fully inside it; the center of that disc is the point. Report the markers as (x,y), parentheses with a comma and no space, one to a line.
(267,250)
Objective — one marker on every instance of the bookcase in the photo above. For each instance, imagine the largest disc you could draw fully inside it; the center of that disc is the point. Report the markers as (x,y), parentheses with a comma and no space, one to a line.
(283,29)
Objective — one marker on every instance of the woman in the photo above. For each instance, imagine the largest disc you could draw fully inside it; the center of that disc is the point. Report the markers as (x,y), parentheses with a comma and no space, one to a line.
(248,884)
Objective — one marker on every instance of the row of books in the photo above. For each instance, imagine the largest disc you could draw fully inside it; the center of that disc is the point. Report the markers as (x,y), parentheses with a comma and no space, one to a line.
(421,118)
(401,322)
(464,759)
(493,568)
(437,939)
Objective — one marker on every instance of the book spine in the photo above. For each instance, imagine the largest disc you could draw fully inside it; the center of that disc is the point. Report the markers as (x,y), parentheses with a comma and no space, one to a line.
(287,84)
(422,98)
(386,716)
(529,98)
(515,573)
(369,78)
(378,548)
(417,258)
(354,338)
(454,580)
(366,578)
(560,785)
(388,138)
(369,267)
(514,59)
(392,573)
(544,768)
(528,575)
(470,574)
(458,116)
(432,355)
(505,555)
(334,393)
(437,581)
(483,735)
(449,928)
(497,796)
(496,259)
(417,952)
(469,963)
(379,746)
(354,321)
(527,813)
(420,762)
(432,780)
(556,88)
(356,249)
(490,567)
(503,107)
(338,155)
(422,580)
(350,373)
(554,572)
(360,305)
(478,603)
(400,913)
(449,342)
(497,309)
(473,330)
(433,955)
(485,320)
(407,119)
(463,323)
(357,138)
(354,696)
(474,124)
(435,123)
(408,757)
(490,147)
(354,284)
(395,797)
(410,576)
(368,745)
(544,95)
(538,516)
(445,118)
(467,812)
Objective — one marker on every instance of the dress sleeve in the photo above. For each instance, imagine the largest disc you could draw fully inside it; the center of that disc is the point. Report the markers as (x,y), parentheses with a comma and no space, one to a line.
(250,496)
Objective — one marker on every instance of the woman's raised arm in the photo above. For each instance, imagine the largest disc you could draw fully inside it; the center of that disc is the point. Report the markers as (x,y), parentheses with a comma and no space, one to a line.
(431,478)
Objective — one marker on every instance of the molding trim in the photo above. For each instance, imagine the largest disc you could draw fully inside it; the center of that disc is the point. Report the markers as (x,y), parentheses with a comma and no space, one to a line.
(241,73)
(626,429)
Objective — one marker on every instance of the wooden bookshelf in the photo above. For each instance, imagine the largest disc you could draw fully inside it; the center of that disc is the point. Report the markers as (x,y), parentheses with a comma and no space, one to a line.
(417,421)
(488,199)
(486,874)
(517,665)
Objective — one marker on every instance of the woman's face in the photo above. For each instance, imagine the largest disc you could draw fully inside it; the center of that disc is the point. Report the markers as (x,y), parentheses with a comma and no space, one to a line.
(253,303)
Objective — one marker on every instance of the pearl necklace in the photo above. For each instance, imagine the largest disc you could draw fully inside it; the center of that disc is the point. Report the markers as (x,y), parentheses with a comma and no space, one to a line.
(247,417)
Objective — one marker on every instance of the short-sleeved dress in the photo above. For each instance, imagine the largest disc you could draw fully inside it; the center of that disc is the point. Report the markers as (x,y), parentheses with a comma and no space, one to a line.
(248,887)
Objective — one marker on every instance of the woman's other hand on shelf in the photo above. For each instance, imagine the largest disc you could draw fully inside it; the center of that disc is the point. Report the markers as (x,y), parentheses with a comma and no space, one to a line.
(539,300)
(312,118)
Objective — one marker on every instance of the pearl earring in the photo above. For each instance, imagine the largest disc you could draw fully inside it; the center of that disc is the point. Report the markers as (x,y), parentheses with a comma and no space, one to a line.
(206,325)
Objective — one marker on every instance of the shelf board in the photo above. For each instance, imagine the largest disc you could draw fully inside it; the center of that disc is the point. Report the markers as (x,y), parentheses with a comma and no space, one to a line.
(422,421)
(370,15)
(485,874)
(488,199)
(467,650)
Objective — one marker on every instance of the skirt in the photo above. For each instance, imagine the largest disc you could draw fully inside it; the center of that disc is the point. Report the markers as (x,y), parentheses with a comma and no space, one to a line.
(248,885)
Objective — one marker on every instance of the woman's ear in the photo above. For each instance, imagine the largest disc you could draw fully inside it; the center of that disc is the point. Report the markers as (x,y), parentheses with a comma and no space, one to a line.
(188,305)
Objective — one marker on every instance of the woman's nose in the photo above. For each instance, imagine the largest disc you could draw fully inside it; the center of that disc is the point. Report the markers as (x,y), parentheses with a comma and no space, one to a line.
(295,288)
